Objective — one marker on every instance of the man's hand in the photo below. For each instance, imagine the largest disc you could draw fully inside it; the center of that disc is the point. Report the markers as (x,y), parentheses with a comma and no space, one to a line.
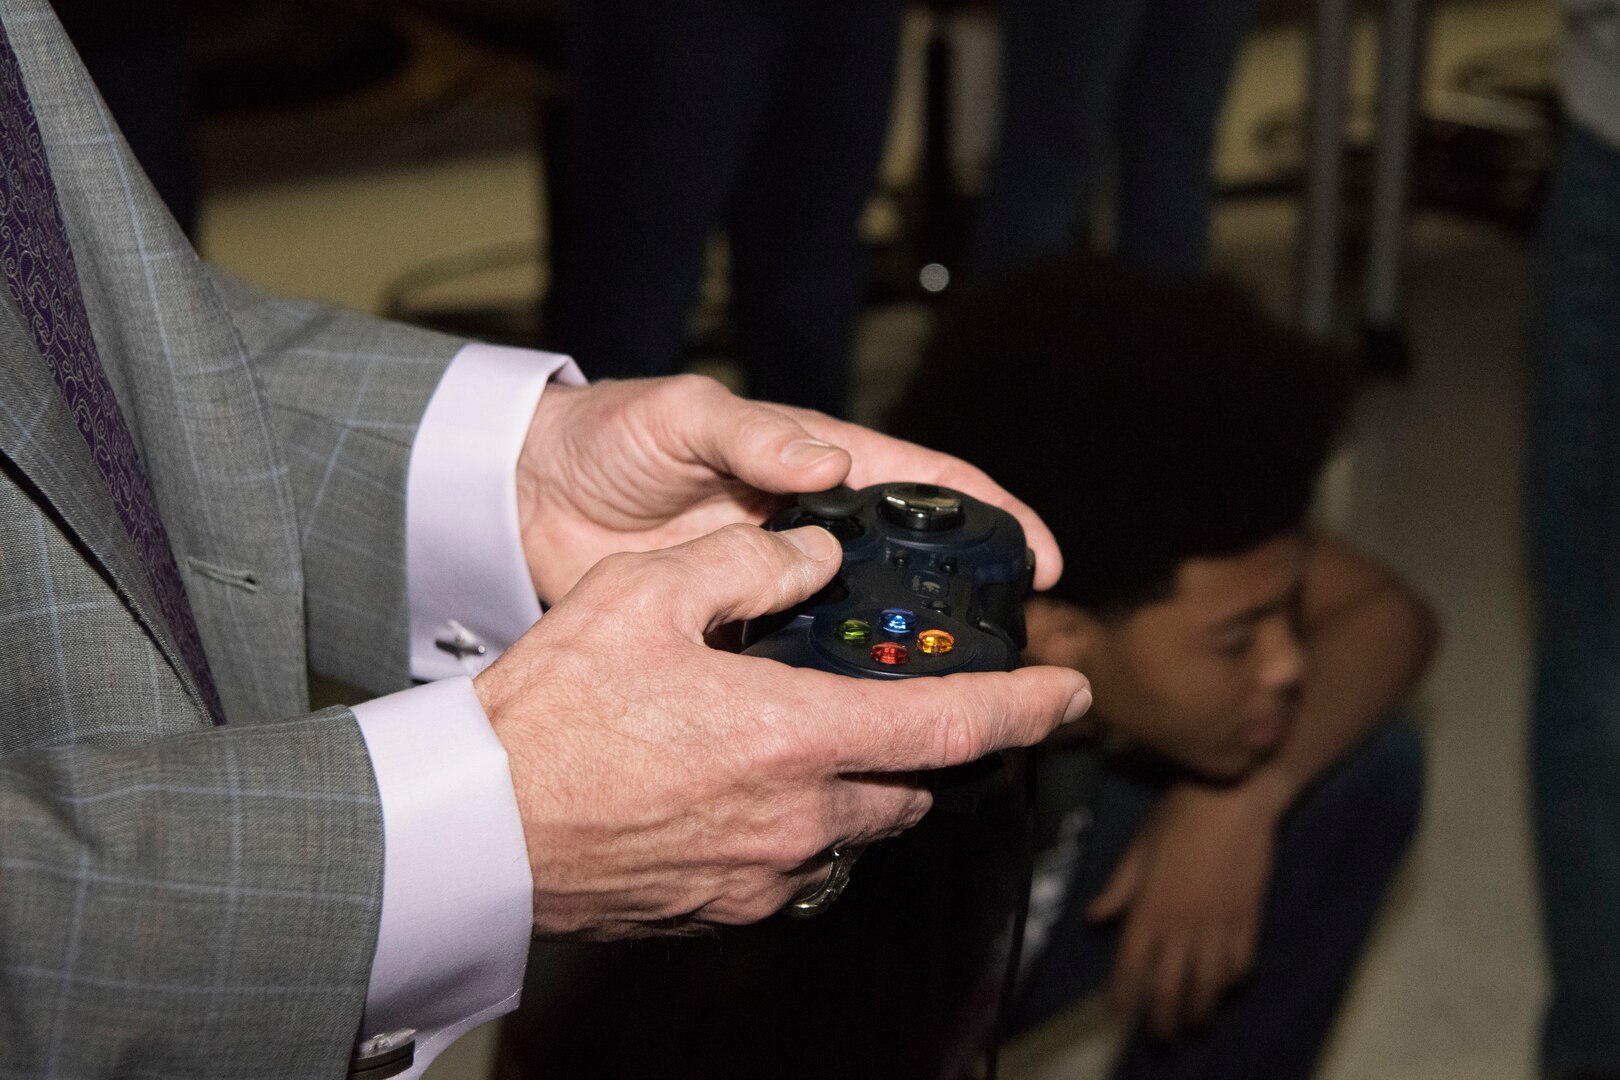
(1190,889)
(664,784)
(650,463)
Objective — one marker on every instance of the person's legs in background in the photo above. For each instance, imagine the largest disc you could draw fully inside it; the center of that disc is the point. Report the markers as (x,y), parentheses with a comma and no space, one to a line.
(670,96)
(1573,500)
(136,52)
(1337,850)
(1169,103)
(1062,64)
(798,266)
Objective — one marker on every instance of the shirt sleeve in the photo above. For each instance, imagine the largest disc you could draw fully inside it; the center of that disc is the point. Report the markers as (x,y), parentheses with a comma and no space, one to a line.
(457,898)
(457,903)
(471,594)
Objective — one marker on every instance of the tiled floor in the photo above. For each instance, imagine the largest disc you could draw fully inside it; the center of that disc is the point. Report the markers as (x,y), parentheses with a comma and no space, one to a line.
(1451,986)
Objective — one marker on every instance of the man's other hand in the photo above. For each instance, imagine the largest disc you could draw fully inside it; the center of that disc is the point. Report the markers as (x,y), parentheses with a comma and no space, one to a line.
(649,463)
(664,784)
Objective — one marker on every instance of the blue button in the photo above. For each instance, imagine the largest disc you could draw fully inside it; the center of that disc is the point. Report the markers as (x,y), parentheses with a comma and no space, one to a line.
(898,620)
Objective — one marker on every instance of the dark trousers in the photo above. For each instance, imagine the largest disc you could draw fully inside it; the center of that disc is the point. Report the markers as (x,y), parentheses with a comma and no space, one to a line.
(1139,82)
(1336,852)
(767,116)
(1573,501)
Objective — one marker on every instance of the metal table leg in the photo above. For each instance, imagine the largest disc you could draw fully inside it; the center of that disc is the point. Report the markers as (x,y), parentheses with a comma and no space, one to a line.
(1323,213)
(1399,92)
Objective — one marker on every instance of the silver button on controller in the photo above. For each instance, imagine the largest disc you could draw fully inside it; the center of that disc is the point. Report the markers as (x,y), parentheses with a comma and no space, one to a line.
(922,507)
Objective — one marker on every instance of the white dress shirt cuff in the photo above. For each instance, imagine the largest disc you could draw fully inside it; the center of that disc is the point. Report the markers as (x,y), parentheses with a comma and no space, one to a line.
(457,898)
(470,591)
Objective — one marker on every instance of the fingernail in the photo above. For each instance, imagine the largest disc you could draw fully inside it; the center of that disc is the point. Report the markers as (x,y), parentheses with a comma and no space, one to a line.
(815,542)
(1077,706)
(803,453)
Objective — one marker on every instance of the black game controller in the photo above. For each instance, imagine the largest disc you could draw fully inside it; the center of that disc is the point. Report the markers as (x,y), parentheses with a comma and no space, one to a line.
(933,583)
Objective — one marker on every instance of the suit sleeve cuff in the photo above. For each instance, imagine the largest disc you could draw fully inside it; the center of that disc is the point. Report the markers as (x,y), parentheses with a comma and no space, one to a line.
(470,591)
(457,897)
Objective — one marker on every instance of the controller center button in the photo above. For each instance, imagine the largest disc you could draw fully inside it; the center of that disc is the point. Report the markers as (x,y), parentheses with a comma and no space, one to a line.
(935,642)
(922,507)
(898,620)
(891,654)
(855,631)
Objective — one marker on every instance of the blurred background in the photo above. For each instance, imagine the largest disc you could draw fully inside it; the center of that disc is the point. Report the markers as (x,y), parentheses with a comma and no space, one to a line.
(403,158)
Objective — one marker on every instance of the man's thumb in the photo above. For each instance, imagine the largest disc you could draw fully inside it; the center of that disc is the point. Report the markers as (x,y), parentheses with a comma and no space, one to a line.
(743,572)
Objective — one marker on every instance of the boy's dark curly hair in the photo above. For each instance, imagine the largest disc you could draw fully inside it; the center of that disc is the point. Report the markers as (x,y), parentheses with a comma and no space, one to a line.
(1148,421)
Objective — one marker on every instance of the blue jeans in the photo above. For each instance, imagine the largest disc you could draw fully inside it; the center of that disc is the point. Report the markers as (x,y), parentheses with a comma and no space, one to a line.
(1336,852)
(1146,78)
(1573,502)
(767,116)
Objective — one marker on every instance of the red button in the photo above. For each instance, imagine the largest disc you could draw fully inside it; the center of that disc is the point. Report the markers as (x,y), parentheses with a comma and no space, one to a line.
(891,654)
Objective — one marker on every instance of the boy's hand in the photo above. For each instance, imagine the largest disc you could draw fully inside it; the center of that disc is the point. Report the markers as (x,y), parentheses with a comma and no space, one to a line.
(1190,889)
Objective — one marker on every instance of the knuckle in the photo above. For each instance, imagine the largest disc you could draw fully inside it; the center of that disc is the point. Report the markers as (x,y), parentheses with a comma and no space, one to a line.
(921,803)
(762,423)
(622,569)
(688,387)
(961,737)
(640,583)
(746,549)
(800,843)
(762,898)
(747,541)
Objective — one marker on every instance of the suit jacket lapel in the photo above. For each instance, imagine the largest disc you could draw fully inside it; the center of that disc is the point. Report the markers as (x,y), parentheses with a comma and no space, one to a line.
(39,436)
(184,382)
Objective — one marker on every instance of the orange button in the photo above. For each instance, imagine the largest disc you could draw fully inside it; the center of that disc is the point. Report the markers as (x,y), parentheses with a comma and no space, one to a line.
(891,654)
(935,642)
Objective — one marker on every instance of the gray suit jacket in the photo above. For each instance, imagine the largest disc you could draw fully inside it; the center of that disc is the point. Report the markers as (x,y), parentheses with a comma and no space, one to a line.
(176,899)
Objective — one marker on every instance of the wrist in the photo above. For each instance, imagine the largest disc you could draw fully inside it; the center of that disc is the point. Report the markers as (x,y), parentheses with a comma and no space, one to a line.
(535,474)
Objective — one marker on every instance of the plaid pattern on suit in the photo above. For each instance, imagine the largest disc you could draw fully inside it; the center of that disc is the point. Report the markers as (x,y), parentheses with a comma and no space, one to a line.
(179,900)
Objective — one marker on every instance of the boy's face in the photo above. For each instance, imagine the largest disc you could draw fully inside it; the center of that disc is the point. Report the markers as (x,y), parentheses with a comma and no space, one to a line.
(1207,677)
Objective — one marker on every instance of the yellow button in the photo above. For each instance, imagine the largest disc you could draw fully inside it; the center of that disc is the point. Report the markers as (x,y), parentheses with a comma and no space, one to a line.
(935,642)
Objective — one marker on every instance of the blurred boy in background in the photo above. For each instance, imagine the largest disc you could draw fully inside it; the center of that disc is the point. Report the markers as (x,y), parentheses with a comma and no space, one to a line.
(1216,852)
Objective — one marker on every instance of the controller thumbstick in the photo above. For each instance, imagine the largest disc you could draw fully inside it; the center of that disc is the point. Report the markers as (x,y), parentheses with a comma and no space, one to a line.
(922,507)
(837,510)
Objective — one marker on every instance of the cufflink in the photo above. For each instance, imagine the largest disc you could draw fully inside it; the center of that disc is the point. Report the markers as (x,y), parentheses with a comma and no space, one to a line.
(460,642)
(382,1056)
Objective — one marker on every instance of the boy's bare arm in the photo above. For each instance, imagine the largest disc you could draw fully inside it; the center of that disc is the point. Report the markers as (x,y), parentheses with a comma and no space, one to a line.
(1368,638)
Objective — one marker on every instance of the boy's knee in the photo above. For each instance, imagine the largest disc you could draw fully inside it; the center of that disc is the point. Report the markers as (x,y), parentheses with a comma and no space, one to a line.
(1373,797)
(1396,763)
